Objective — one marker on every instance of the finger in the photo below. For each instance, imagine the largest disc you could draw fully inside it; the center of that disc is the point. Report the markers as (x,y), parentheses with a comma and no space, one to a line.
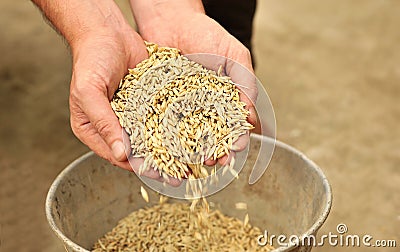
(245,81)
(96,106)
(210,162)
(257,125)
(131,164)
(94,81)
(225,160)
(172,181)
(140,51)
(136,163)
(126,142)
(238,145)
(241,143)
(104,120)
(89,136)
(252,117)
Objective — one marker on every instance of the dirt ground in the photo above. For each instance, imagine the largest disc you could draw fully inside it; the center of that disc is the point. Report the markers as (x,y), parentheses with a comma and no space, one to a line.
(331,69)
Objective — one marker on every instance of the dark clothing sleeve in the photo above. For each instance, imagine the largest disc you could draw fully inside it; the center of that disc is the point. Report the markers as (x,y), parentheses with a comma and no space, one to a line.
(236,16)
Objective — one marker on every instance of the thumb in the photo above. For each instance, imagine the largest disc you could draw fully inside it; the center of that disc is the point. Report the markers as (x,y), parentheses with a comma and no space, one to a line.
(91,94)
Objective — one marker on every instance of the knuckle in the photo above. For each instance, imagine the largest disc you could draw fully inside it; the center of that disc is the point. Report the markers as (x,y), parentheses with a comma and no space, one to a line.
(103,127)
(246,51)
(83,85)
(243,51)
(74,128)
(78,93)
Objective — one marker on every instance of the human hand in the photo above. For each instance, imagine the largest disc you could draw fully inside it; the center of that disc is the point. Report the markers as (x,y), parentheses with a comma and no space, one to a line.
(184,25)
(103,47)
(100,60)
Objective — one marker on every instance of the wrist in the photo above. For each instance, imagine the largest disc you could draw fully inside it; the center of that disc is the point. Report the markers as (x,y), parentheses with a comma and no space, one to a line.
(100,35)
(111,25)
(74,18)
(153,16)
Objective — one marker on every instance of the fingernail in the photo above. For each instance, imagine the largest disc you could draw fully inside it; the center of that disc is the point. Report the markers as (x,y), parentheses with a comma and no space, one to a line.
(236,147)
(118,150)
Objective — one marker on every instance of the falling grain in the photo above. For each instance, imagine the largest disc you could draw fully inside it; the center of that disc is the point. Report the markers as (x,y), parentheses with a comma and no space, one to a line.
(241,206)
(246,220)
(145,196)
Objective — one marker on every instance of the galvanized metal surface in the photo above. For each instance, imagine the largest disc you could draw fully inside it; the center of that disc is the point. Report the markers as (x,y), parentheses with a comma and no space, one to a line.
(292,198)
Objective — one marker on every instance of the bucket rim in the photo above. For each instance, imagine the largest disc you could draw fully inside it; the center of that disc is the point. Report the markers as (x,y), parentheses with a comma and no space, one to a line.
(50,198)
(328,190)
(310,231)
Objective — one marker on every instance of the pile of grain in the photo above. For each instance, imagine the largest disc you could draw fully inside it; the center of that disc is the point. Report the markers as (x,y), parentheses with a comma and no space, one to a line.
(178,113)
(173,227)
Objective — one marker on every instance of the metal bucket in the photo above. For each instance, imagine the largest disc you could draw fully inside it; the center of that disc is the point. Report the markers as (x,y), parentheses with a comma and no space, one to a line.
(293,197)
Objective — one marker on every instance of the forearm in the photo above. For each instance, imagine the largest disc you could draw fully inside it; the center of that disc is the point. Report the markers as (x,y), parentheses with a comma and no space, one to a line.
(74,18)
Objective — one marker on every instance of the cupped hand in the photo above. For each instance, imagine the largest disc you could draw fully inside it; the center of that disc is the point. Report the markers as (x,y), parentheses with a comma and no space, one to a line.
(100,61)
(196,34)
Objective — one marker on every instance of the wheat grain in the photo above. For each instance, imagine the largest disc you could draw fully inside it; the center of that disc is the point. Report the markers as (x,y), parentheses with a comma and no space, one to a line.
(177,113)
(144,193)
(173,227)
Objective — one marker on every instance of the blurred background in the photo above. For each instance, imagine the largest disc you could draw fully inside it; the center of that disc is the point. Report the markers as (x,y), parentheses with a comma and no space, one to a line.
(332,71)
